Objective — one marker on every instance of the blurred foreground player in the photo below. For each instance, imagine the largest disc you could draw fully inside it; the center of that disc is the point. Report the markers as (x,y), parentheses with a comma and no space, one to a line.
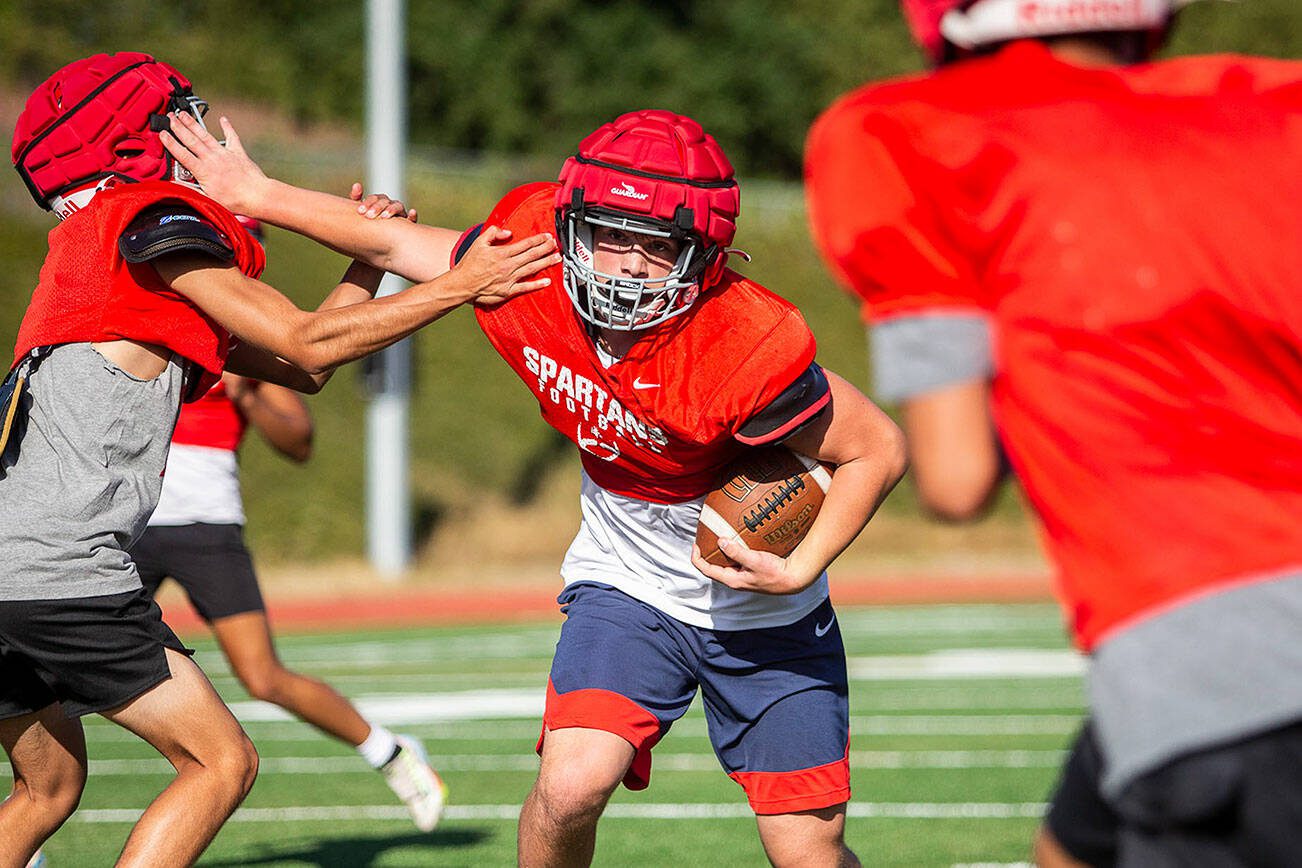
(147,284)
(661,365)
(1099,259)
(196,537)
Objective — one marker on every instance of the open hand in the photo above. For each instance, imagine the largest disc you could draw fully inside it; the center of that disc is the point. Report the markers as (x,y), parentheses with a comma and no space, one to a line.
(379,206)
(496,268)
(227,173)
(761,572)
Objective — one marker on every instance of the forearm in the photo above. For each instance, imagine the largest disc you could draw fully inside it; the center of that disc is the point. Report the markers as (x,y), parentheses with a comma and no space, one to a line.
(229,176)
(954,449)
(317,341)
(334,336)
(857,490)
(411,250)
(292,341)
(280,416)
(869,455)
(358,284)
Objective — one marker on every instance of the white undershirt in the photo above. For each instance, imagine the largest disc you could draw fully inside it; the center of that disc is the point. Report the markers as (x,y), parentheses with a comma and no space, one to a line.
(644,549)
(201,485)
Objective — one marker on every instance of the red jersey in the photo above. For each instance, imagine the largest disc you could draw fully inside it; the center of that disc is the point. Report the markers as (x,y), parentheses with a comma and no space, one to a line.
(213,421)
(659,423)
(1135,236)
(89,292)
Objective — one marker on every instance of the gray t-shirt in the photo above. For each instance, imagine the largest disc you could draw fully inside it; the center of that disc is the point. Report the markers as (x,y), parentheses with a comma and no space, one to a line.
(913,355)
(1216,669)
(82,475)
(1219,668)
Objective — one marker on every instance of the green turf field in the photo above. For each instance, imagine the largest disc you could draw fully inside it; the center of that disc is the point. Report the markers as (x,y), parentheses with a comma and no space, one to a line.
(960,716)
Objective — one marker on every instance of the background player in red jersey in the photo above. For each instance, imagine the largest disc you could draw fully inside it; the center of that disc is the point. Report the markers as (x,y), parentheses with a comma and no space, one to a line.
(196,537)
(1101,256)
(660,364)
(146,285)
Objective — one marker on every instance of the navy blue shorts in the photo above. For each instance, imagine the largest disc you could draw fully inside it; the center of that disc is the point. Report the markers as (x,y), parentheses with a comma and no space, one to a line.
(776,700)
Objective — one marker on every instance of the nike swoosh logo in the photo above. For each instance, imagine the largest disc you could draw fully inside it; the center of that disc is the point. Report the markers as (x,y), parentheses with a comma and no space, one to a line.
(638,384)
(821,631)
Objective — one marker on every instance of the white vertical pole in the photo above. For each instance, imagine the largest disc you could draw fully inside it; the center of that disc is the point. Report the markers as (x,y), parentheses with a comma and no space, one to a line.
(388,493)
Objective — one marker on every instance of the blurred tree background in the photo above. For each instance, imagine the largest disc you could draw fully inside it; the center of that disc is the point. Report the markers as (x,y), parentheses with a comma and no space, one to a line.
(529,76)
(500,92)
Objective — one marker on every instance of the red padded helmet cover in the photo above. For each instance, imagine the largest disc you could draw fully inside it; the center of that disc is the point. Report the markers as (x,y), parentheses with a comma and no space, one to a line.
(91,119)
(923,18)
(990,22)
(654,164)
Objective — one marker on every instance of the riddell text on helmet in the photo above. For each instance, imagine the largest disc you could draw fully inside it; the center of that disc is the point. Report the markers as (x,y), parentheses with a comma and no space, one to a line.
(1081,14)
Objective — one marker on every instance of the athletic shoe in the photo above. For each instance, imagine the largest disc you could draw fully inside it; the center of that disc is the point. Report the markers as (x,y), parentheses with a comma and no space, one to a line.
(38,860)
(409,775)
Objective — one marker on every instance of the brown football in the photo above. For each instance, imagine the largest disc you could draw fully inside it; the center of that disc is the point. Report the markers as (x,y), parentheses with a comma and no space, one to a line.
(767,498)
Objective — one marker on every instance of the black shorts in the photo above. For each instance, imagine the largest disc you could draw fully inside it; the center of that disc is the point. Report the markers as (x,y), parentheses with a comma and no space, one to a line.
(210,561)
(88,653)
(1238,804)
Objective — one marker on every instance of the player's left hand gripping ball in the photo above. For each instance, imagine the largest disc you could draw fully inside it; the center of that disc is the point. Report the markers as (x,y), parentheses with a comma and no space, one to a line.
(767,500)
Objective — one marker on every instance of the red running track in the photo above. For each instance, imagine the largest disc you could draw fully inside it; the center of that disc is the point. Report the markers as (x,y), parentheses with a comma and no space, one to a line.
(407,608)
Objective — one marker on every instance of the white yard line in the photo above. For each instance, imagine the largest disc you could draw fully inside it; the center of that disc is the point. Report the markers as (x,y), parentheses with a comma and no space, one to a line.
(969,663)
(954,623)
(505,715)
(954,663)
(632,811)
(669,762)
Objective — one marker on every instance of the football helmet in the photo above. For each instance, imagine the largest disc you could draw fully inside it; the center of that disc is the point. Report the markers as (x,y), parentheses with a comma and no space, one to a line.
(940,26)
(98,119)
(653,173)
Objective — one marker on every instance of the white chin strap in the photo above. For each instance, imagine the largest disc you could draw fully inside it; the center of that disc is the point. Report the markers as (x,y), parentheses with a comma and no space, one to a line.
(987,22)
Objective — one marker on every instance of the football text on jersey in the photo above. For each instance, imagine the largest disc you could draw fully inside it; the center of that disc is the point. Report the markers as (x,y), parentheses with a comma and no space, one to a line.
(602,418)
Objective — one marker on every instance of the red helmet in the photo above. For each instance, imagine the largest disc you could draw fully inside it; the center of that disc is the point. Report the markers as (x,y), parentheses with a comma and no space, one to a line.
(651,172)
(923,18)
(99,118)
(939,26)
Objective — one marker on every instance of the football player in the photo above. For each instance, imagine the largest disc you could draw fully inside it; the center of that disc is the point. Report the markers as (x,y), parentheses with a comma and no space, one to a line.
(148,293)
(661,364)
(1101,256)
(196,537)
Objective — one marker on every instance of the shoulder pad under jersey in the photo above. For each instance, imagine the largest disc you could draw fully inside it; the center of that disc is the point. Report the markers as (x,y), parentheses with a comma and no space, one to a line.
(467,238)
(171,228)
(797,406)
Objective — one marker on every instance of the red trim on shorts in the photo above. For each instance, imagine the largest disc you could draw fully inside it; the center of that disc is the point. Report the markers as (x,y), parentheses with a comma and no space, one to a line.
(800,790)
(610,712)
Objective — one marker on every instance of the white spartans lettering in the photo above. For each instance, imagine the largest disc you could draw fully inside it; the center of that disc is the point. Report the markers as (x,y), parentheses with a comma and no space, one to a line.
(602,420)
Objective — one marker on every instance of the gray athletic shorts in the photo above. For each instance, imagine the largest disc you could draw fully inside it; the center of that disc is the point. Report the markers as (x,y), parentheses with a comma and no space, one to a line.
(81,474)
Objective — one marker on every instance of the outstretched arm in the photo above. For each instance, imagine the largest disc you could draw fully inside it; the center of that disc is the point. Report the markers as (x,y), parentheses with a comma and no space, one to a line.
(228,175)
(867,450)
(358,284)
(299,349)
